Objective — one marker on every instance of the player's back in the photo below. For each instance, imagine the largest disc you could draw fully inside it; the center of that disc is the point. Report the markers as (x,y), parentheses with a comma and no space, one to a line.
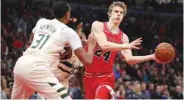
(49,38)
(104,60)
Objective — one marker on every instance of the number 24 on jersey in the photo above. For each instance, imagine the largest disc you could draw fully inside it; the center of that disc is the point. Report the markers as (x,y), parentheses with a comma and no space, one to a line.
(105,55)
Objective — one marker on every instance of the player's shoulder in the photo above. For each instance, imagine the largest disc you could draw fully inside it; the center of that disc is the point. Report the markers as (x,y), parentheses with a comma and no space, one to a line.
(125,37)
(97,23)
(42,20)
(60,24)
(68,30)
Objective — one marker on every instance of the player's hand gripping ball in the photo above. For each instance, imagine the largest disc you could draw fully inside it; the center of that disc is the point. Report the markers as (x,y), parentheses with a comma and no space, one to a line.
(67,54)
(164,53)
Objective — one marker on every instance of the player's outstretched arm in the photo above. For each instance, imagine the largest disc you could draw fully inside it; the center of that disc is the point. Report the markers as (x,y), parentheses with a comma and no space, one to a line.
(97,30)
(130,59)
(73,39)
(86,58)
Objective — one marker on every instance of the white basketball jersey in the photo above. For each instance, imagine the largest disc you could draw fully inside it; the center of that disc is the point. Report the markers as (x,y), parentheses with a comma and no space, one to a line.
(50,37)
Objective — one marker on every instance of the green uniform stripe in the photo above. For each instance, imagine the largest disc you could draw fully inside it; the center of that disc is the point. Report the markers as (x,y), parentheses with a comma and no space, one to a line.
(51,84)
(61,89)
(64,95)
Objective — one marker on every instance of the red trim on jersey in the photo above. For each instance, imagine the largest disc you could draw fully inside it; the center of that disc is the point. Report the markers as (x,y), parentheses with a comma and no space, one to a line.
(109,31)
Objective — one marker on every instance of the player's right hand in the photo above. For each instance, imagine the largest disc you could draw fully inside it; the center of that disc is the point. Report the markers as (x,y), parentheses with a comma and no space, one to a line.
(91,40)
(67,54)
(134,44)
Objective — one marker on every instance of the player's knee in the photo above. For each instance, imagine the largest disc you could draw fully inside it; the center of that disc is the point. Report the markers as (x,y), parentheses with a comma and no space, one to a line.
(60,89)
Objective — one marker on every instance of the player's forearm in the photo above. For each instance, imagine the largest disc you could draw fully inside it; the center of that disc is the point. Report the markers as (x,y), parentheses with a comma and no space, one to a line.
(90,54)
(113,46)
(138,59)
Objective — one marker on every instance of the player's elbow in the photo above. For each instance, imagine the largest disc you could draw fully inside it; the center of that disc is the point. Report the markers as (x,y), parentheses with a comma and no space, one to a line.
(129,61)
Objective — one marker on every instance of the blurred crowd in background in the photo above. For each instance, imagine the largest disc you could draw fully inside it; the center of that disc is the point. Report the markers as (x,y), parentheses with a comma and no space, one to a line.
(155,21)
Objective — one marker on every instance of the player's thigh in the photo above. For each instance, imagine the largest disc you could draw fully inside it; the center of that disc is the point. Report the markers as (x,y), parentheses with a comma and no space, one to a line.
(45,83)
(21,90)
(89,91)
(104,92)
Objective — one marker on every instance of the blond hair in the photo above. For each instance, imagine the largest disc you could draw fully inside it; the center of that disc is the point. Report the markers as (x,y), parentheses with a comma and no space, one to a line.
(120,4)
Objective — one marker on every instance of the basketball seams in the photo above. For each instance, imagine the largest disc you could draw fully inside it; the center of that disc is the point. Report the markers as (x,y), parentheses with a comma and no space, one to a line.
(165,56)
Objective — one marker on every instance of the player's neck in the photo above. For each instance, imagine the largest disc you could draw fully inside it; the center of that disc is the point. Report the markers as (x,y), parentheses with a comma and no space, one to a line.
(114,28)
(62,20)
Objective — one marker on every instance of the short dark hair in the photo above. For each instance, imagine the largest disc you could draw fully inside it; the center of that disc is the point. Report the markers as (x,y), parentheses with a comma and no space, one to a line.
(60,8)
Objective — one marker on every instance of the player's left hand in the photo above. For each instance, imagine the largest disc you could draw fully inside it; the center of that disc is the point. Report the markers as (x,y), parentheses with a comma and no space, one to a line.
(155,59)
(79,29)
(81,35)
(135,44)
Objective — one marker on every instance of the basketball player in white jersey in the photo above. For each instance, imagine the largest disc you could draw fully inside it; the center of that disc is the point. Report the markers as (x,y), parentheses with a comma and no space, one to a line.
(69,64)
(32,72)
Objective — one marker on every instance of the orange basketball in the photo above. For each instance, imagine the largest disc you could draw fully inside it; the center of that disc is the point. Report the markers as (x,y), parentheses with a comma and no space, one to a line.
(165,52)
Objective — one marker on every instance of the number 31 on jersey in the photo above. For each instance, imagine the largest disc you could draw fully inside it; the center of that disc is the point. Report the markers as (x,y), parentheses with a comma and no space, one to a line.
(42,39)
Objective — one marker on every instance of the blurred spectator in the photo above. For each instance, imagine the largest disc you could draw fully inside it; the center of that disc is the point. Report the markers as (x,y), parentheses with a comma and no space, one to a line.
(18,43)
(137,87)
(3,95)
(178,94)
(22,25)
(117,70)
(144,91)
(74,90)
(152,90)
(134,91)
(120,92)
(166,95)
(158,91)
